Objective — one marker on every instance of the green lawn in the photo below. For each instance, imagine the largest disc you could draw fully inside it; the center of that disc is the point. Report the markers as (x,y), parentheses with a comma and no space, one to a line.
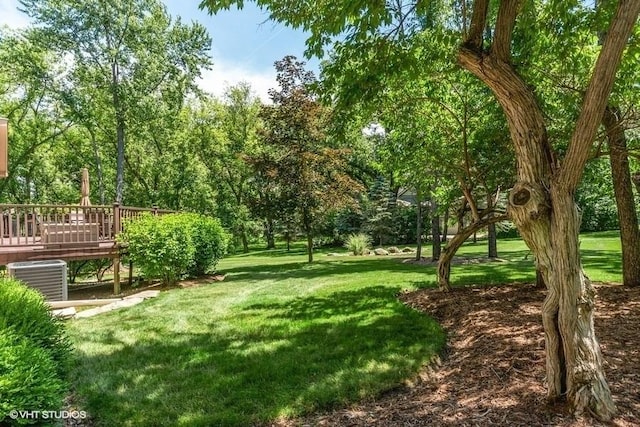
(278,338)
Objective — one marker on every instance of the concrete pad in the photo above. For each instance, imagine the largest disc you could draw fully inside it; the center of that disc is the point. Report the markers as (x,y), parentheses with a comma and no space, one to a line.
(128,301)
(64,313)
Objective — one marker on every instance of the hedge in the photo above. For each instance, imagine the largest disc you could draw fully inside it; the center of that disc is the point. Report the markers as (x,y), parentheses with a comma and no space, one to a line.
(168,247)
(35,353)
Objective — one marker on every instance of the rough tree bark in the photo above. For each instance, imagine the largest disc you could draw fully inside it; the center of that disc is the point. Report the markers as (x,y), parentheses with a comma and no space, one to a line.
(542,205)
(623,190)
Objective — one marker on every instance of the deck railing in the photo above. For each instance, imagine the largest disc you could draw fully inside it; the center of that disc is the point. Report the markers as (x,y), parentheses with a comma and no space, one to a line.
(47,224)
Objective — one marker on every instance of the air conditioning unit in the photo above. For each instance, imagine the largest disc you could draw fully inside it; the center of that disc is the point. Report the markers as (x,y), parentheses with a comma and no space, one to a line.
(49,277)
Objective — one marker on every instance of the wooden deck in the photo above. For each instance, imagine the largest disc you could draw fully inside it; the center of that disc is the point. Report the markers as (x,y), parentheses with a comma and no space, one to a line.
(14,252)
(67,232)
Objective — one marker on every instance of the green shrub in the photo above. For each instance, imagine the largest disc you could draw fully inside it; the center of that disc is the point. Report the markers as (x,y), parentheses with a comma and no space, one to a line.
(23,311)
(171,246)
(358,243)
(28,378)
(160,246)
(210,242)
(35,353)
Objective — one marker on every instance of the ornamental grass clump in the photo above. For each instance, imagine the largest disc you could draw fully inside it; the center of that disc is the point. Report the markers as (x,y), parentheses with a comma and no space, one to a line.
(358,243)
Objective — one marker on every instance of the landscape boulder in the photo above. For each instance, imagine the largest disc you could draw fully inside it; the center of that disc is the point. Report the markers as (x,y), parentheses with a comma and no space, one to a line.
(381,251)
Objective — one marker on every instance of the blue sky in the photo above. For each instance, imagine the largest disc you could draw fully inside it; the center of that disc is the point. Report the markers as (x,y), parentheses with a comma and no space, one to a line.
(244,46)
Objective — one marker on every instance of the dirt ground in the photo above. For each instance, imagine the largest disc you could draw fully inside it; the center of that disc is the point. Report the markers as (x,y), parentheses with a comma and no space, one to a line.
(492,373)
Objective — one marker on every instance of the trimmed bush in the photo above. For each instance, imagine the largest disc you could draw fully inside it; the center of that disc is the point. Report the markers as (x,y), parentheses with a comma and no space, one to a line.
(210,241)
(35,353)
(28,378)
(24,312)
(358,243)
(160,246)
(168,247)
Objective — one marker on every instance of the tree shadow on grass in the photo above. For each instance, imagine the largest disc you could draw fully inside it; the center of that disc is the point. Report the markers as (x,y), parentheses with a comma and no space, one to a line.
(602,260)
(304,270)
(263,362)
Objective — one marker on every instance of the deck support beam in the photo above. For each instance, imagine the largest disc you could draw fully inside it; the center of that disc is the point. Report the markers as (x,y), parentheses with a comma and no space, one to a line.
(116,275)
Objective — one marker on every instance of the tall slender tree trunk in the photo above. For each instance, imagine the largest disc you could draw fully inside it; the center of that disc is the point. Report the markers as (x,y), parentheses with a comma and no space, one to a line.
(623,190)
(309,246)
(120,130)
(460,214)
(308,228)
(445,225)
(96,155)
(436,243)
(492,239)
(419,215)
(245,240)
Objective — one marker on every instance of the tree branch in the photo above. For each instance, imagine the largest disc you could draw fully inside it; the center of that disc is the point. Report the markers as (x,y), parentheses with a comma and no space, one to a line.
(597,94)
(505,23)
(478,23)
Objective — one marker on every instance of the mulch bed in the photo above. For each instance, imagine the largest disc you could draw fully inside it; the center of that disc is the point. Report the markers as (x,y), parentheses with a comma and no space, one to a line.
(492,373)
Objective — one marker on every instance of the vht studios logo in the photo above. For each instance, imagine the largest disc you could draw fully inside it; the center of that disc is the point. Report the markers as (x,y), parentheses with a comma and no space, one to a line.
(47,415)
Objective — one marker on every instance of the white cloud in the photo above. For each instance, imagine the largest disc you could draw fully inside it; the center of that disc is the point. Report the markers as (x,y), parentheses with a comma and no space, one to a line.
(215,81)
(11,16)
(225,74)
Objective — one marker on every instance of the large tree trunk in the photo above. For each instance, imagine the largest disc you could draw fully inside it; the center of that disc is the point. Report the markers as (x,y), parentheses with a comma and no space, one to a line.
(269,234)
(574,363)
(623,190)
(542,205)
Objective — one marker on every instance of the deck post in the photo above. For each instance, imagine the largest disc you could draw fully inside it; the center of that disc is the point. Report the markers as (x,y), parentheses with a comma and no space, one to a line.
(116,275)
(116,220)
(116,261)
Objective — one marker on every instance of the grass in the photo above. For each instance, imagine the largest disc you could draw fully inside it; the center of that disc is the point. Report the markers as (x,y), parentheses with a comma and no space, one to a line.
(278,337)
